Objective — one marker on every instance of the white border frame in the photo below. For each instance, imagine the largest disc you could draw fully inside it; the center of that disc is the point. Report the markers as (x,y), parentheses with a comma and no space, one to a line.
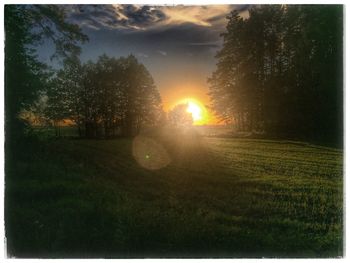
(3,256)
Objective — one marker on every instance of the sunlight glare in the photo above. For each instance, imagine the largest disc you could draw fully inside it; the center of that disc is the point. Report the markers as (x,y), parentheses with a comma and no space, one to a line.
(195,110)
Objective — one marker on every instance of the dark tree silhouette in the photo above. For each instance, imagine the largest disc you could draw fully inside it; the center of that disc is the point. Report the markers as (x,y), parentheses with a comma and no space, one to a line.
(107,98)
(26,26)
(280,71)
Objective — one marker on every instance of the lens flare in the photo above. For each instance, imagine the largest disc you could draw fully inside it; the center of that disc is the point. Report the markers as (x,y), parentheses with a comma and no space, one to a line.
(149,153)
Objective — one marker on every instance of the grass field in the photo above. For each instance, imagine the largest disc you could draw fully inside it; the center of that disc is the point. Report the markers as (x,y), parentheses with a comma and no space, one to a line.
(217,197)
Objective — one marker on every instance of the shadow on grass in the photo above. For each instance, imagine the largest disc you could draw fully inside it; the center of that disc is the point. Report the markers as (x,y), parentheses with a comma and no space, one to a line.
(85,198)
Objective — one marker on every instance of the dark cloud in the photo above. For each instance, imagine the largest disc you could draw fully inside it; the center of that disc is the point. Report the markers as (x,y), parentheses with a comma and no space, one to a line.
(241,8)
(114,16)
(92,16)
(217,18)
(141,16)
(184,33)
(145,17)
(178,31)
(212,45)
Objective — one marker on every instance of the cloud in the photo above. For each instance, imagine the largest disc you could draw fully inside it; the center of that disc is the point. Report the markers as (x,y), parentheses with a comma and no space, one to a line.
(167,41)
(198,15)
(92,16)
(137,17)
(172,32)
(163,53)
(207,44)
(142,55)
(114,16)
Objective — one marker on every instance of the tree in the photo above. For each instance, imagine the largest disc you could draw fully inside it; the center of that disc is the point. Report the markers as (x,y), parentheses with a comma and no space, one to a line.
(142,100)
(65,94)
(179,116)
(107,97)
(280,71)
(26,26)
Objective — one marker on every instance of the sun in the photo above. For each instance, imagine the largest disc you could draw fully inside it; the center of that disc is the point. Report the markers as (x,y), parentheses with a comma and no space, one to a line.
(197,110)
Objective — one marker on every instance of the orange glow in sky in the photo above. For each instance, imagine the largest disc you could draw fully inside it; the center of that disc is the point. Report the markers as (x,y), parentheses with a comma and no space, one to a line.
(200,114)
(185,88)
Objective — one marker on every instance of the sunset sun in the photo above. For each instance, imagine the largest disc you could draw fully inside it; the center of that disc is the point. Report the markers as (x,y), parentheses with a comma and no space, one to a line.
(195,110)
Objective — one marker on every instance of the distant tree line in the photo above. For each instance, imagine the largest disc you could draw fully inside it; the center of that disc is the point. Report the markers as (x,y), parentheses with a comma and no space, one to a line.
(105,98)
(280,71)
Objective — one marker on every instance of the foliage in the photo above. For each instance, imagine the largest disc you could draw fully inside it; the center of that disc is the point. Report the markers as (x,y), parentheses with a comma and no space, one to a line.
(105,98)
(179,116)
(26,27)
(280,71)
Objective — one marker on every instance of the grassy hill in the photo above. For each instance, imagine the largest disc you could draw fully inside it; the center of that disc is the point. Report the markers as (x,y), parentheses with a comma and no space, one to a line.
(217,197)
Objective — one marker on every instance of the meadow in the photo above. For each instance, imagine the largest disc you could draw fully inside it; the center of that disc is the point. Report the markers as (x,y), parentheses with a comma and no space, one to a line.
(217,197)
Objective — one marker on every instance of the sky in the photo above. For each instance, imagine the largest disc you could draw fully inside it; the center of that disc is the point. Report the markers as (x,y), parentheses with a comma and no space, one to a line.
(177,44)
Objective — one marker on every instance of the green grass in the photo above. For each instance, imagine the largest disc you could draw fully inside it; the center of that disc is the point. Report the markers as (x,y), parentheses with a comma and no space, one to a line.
(217,198)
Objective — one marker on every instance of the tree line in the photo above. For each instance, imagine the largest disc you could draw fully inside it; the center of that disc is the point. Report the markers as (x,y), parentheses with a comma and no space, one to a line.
(280,71)
(105,98)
